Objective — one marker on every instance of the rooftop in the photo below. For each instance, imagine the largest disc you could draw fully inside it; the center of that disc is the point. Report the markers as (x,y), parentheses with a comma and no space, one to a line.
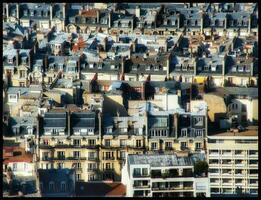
(160,160)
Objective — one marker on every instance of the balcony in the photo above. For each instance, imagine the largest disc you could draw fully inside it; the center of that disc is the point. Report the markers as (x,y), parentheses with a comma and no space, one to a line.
(108,158)
(225,155)
(227,183)
(46,159)
(239,184)
(214,183)
(253,156)
(92,170)
(76,158)
(79,170)
(140,175)
(141,186)
(240,156)
(92,159)
(45,146)
(59,158)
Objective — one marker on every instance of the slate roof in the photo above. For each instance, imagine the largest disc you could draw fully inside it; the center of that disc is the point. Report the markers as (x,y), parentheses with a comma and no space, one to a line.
(55,120)
(83,120)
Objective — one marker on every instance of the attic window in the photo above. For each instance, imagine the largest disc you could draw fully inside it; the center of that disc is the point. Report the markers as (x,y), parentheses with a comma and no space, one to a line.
(10,61)
(100,66)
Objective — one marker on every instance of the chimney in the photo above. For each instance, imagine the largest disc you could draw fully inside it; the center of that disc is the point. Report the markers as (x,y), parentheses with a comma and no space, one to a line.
(64,10)
(30,59)
(224,65)
(98,16)
(69,122)
(143,90)
(7,10)
(45,63)
(51,12)
(137,11)
(122,65)
(110,19)
(17,57)
(100,126)
(79,66)
(17,11)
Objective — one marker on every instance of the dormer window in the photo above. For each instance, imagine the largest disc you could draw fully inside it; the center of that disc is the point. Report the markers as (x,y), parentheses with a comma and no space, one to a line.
(156,68)
(24,59)
(10,61)
(213,68)
(32,13)
(91,65)
(112,66)
(148,67)
(25,13)
(196,22)
(183,132)
(206,68)
(100,66)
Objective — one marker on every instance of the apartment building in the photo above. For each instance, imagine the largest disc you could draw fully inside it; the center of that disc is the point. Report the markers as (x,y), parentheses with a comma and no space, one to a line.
(70,141)
(162,176)
(233,163)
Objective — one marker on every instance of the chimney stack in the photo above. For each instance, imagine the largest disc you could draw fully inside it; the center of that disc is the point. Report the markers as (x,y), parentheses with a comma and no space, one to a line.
(98,16)
(122,65)
(17,57)
(69,122)
(143,90)
(137,11)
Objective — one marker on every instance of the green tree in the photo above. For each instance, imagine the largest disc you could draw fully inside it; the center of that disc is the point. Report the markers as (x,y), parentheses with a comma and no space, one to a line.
(200,167)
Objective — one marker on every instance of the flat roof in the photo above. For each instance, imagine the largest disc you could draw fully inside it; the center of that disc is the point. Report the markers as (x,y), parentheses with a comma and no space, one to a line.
(246,133)
(160,160)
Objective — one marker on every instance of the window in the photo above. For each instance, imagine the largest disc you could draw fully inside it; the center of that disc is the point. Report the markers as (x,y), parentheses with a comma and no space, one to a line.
(183,145)
(108,166)
(63,187)
(198,133)
(78,177)
(168,145)
(122,143)
(92,142)
(76,154)
(91,177)
(76,142)
(198,121)
(138,143)
(136,172)
(60,165)
(91,155)
(51,186)
(154,146)
(122,154)
(198,145)
(107,143)
(183,132)
(15,167)
(60,154)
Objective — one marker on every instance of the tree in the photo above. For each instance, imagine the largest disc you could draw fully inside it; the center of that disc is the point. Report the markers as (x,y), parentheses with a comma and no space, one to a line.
(200,167)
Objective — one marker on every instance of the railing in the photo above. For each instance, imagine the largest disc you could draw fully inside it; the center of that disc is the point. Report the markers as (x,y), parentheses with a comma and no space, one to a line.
(92,170)
(92,159)
(141,186)
(108,158)
(140,175)
(76,158)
